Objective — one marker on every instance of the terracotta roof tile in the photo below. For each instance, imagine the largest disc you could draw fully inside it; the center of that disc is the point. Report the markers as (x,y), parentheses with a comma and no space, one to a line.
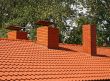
(27,61)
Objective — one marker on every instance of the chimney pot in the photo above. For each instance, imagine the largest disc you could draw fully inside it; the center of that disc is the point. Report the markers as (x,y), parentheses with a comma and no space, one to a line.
(48,37)
(17,35)
(89,39)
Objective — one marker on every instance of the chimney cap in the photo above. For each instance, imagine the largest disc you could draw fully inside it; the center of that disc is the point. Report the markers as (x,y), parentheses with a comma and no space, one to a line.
(44,22)
(14,27)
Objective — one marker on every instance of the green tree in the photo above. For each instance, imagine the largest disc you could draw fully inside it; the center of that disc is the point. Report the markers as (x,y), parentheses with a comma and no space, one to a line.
(19,12)
(100,10)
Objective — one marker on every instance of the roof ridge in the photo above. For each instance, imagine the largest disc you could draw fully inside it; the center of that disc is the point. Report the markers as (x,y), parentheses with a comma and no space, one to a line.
(15,39)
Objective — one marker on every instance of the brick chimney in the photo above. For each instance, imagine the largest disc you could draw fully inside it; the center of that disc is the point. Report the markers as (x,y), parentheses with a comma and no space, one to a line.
(17,35)
(48,37)
(89,39)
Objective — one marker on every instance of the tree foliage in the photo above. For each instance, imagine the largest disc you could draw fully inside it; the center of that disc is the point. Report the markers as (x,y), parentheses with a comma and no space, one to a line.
(21,11)
(69,15)
(100,11)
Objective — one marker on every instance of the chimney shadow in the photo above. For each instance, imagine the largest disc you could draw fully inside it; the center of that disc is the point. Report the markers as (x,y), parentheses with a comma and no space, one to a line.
(101,55)
(66,49)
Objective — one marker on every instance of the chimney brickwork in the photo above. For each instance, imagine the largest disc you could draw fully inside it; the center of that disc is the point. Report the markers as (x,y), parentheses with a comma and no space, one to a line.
(89,39)
(17,35)
(48,37)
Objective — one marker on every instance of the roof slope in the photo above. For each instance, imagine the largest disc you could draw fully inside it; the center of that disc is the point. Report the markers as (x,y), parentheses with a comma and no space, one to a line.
(25,60)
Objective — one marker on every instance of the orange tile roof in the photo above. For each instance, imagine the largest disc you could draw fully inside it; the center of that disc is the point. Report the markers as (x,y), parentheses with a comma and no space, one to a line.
(24,60)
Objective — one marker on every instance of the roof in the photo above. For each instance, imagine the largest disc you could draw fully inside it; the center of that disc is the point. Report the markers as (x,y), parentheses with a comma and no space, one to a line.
(25,60)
